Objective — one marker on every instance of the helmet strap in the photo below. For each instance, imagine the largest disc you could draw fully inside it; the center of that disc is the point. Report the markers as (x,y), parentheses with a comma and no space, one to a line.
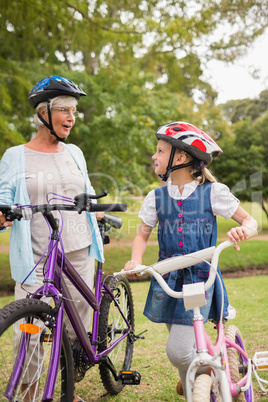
(171,168)
(50,125)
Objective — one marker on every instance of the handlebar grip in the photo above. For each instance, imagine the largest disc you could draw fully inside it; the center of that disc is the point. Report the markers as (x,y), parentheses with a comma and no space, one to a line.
(108,207)
(115,221)
(5,208)
(11,212)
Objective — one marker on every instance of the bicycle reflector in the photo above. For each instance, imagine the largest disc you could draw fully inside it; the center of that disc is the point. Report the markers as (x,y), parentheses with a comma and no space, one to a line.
(130,377)
(30,328)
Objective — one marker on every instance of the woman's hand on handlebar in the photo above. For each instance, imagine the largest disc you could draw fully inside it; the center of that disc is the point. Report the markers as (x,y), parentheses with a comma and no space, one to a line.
(99,215)
(3,222)
(129,266)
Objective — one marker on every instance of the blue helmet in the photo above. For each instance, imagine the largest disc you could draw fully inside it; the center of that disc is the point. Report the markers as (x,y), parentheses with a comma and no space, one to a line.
(51,87)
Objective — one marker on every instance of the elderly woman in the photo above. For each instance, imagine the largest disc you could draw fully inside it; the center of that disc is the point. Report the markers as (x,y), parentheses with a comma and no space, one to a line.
(47,165)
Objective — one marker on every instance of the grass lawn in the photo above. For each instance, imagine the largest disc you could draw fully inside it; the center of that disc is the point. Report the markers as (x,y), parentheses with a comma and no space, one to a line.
(159,377)
(6,282)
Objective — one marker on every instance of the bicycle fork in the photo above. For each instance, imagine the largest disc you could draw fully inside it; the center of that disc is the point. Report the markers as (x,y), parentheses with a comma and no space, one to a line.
(14,380)
(56,351)
(207,357)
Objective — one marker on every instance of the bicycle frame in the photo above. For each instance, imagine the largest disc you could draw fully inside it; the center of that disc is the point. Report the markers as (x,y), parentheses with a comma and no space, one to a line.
(55,287)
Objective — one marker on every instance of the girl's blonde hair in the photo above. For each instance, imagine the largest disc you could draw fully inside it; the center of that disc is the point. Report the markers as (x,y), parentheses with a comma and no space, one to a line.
(200,176)
(59,101)
(205,175)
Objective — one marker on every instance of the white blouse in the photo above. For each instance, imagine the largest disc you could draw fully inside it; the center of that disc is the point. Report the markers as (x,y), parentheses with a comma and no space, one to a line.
(223,202)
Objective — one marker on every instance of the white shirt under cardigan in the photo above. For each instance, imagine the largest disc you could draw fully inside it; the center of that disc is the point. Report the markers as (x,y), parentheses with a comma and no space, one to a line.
(223,202)
(56,173)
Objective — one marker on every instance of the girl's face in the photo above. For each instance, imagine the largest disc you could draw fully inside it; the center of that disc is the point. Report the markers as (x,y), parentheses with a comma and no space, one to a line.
(161,157)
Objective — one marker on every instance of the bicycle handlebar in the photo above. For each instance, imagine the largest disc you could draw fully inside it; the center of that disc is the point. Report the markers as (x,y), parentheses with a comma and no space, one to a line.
(161,268)
(114,221)
(108,207)
(82,202)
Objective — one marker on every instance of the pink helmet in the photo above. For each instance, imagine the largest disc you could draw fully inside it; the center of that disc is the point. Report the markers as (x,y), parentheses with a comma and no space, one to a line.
(189,139)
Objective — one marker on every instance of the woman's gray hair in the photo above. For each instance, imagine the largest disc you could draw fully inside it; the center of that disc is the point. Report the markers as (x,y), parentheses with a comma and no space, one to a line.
(59,101)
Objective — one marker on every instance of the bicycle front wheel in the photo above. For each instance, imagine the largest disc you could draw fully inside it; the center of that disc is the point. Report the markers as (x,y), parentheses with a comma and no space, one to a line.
(17,320)
(205,390)
(237,362)
(111,327)
(202,388)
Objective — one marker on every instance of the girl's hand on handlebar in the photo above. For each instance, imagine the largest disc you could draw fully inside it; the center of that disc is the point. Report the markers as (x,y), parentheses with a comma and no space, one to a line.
(248,227)
(3,222)
(129,266)
(99,215)
(237,234)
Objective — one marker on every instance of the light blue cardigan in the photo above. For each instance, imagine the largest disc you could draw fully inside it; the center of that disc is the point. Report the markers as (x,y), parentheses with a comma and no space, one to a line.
(13,190)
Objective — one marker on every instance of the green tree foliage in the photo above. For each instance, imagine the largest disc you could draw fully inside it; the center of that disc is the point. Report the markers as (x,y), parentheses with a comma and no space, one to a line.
(237,110)
(244,164)
(123,123)
(140,61)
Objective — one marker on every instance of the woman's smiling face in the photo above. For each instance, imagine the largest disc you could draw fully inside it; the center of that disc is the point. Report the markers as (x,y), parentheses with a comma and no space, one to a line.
(62,121)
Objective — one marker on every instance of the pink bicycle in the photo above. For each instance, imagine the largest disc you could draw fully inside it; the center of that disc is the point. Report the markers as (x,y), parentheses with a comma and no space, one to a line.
(227,361)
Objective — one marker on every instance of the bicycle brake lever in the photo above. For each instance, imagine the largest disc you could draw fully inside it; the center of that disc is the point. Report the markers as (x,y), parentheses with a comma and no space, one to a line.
(84,201)
(95,197)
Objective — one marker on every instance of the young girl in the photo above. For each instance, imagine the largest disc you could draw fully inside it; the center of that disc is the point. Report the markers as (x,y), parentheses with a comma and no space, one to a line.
(185,210)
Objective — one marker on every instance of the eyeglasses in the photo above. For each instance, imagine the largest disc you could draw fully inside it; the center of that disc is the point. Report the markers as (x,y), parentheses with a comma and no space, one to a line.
(66,111)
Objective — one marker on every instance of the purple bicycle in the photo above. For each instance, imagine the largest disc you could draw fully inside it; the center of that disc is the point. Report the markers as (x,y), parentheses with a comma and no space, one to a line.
(44,340)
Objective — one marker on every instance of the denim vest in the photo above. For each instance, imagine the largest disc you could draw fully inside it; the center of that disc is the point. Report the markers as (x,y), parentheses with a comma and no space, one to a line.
(184,226)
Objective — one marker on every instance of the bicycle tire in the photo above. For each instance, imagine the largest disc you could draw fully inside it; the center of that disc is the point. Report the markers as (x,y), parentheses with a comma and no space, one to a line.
(204,390)
(236,359)
(12,316)
(111,327)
